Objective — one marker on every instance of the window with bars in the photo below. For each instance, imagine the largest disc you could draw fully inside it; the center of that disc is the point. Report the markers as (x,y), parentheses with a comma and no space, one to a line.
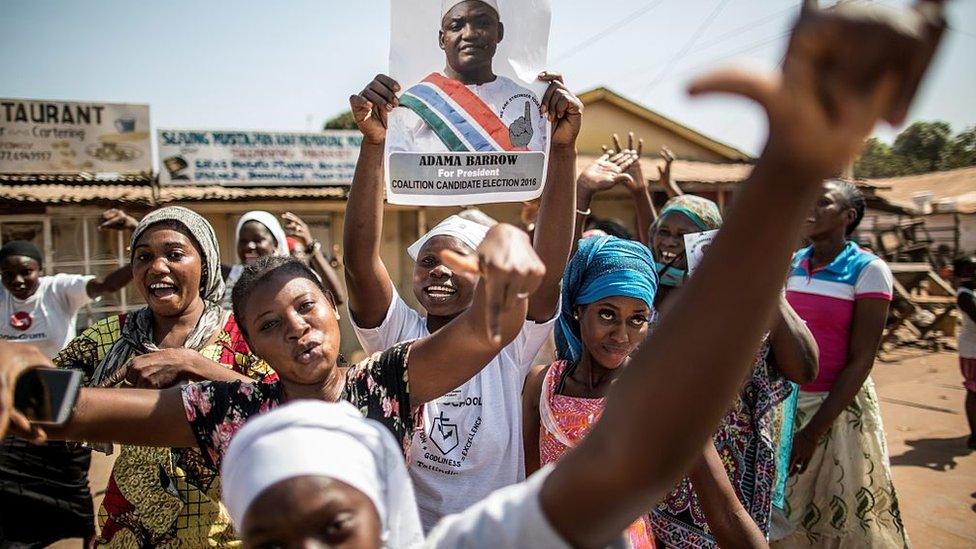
(72,243)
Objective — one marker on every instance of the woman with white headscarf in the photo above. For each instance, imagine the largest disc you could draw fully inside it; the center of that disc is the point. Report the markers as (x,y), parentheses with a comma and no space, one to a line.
(259,234)
(469,442)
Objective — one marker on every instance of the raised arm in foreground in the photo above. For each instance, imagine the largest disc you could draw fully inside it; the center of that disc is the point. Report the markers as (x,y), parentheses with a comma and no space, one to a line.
(557,209)
(367,280)
(844,70)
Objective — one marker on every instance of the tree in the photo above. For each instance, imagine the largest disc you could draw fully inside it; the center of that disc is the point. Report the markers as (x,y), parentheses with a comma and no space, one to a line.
(876,160)
(342,121)
(921,145)
(920,148)
(960,152)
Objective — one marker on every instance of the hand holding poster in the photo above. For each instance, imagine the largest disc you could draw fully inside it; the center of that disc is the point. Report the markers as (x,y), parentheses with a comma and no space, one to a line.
(469,126)
(696,244)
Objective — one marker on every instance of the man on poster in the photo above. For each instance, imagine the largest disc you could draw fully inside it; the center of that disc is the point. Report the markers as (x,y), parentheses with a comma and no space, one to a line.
(468,108)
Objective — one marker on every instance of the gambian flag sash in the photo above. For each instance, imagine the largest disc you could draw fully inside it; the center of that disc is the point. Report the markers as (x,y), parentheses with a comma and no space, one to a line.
(462,121)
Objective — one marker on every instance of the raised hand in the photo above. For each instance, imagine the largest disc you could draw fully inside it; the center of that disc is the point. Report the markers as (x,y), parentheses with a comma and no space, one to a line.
(564,110)
(510,269)
(156,370)
(297,228)
(371,107)
(664,172)
(844,70)
(628,160)
(604,174)
(520,132)
(117,220)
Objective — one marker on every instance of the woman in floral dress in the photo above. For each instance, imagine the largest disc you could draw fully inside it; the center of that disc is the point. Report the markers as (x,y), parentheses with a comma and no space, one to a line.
(292,324)
(744,443)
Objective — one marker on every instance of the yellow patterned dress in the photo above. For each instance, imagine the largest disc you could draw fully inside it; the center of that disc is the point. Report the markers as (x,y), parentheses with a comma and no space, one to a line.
(160,497)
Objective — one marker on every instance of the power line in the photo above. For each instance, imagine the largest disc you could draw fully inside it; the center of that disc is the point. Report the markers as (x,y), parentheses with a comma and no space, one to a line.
(734,33)
(688,45)
(960,31)
(717,40)
(607,31)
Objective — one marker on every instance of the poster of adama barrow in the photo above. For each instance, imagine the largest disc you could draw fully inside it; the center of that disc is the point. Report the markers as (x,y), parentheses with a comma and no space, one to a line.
(468,128)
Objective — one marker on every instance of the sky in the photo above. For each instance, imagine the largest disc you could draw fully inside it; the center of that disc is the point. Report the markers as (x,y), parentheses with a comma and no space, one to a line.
(289,65)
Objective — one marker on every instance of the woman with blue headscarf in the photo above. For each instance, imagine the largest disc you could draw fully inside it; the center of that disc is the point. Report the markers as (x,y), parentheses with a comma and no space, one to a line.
(607,302)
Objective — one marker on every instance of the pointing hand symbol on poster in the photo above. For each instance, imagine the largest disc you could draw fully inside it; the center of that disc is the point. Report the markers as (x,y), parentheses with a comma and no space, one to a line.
(520,132)
(444,435)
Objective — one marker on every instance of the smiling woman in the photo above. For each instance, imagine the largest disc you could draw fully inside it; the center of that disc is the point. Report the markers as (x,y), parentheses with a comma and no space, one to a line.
(607,302)
(158,495)
(290,321)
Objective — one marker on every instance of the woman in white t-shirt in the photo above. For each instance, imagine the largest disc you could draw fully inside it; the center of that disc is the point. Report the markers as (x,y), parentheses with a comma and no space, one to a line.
(467,443)
(44,489)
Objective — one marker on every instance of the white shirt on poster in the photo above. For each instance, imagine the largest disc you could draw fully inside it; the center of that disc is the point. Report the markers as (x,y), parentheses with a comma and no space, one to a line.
(408,132)
(469,442)
(46,319)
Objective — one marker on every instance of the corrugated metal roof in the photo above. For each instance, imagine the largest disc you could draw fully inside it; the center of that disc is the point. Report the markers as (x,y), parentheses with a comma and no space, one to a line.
(216,192)
(42,192)
(952,190)
(75,194)
(75,178)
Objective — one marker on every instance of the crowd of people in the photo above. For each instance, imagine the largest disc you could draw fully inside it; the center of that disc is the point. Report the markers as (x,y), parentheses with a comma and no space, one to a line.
(730,408)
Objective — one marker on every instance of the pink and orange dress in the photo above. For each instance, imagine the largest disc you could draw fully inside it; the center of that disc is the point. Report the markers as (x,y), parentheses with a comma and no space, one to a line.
(565,421)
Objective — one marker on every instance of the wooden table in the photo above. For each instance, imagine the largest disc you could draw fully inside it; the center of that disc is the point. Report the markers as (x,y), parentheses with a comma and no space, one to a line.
(917,288)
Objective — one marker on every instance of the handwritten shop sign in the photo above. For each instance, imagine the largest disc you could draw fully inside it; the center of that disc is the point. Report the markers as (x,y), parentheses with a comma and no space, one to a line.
(65,137)
(210,157)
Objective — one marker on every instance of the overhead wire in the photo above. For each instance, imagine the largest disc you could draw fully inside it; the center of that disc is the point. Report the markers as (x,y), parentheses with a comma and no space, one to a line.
(690,43)
(630,18)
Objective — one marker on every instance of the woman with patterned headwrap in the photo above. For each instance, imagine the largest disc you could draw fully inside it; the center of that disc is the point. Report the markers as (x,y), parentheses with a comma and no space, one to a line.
(681,215)
(607,301)
(709,508)
(157,496)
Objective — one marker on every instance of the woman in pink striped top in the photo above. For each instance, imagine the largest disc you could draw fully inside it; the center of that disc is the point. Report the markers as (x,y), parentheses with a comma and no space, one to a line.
(840,492)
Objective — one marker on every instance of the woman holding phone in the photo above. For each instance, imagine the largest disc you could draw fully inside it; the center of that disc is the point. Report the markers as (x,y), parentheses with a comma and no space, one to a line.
(44,489)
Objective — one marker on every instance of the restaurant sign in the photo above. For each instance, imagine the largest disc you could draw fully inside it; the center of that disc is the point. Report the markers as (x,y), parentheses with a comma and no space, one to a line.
(251,158)
(65,137)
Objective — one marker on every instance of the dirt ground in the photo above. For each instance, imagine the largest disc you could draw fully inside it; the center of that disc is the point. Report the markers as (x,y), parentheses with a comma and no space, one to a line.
(934,473)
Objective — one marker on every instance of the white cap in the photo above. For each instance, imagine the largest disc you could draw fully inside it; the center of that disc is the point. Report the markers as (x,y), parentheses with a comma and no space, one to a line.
(468,232)
(446,5)
(314,438)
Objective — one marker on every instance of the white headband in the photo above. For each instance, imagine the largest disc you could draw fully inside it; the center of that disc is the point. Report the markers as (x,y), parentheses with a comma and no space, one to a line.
(315,438)
(447,5)
(468,232)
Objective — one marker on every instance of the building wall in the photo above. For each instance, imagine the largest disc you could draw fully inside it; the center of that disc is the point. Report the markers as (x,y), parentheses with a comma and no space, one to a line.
(602,119)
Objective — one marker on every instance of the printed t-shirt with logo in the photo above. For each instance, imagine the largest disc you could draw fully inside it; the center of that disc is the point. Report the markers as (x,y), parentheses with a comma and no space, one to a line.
(47,318)
(467,123)
(825,300)
(468,443)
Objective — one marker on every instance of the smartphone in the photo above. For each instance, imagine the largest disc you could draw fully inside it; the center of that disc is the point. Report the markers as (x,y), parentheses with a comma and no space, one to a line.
(47,395)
